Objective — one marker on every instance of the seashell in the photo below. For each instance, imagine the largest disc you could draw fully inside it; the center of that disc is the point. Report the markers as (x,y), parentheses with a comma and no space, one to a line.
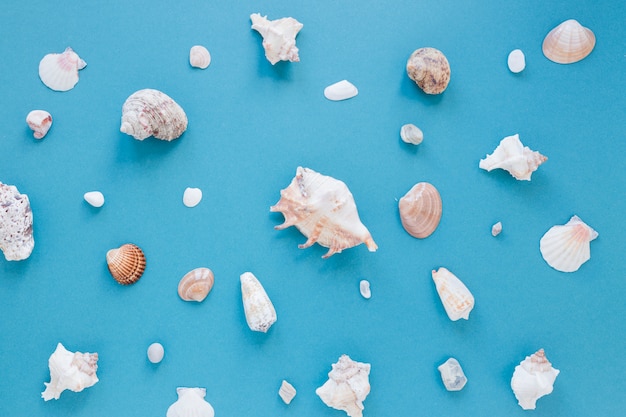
(155,352)
(516,61)
(59,72)
(455,297)
(532,379)
(196,284)
(74,371)
(16,224)
(341,90)
(323,209)
(565,248)
(126,263)
(420,210)
(512,156)
(279,37)
(411,134)
(452,375)
(347,386)
(40,122)
(287,392)
(152,113)
(257,306)
(94,198)
(569,42)
(496,229)
(199,57)
(430,70)
(192,197)
(190,403)
(364,288)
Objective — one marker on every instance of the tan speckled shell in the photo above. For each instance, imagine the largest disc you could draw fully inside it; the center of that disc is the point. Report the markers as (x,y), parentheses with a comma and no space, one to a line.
(150,112)
(126,263)
(420,210)
(430,69)
(196,284)
(569,42)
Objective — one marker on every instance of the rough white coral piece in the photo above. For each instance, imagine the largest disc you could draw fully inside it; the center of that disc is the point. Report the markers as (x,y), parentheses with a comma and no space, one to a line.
(341,90)
(59,72)
(516,61)
(192,196)
(364,288)
(287,392)
(190,403)
(40,122)
(347,386)
(151,112)
(532,379)
(566,247)
(512,156)
(94,198)
(411,134)
(455,297)
(258,308)
(279,37)
(452,375)
(16,224)
(199,57)
(70,370)
(496,229)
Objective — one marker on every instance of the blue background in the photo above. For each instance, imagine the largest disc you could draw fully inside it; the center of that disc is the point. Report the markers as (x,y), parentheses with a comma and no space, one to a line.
(250,125)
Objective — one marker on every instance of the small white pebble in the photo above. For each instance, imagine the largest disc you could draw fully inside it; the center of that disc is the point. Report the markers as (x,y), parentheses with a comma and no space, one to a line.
(192,197)
(496,229)
(516,61)
(155,352)
(286,392)
(95,198)
(411,134)
(364,287)
(341,90)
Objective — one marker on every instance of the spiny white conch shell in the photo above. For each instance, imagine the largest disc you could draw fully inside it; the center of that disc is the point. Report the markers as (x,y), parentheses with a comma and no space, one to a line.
(516,61)
(347,386)
(257,306)
(16,224)
(287,392)
(430,70)
(341,90)
(151,112)
(565,248)
(59,72)
(40,122)
(420,210)
(455,297)
(94,198)
(532,379)
(323,209)
(70,370)
(409,133)
(511,155)
(190,403)
(199,57)
(196,284)
(569,42)
(279,37)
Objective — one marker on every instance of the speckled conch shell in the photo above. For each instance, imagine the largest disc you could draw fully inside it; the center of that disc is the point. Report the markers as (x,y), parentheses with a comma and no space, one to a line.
(257,306)
(569,42)
(279,37)
(151,112)
(59,72)
(430,70)
(420,210)
(126,263)
(347,386)
(455,297)
(40,122)
(70,370)
(323,209)
(512,156)
(190,403)
(199,57)
(565,248)
(196,284)
(533,378)
(16,224)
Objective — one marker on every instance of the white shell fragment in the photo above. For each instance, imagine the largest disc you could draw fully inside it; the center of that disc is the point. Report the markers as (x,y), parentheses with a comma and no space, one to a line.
(532,379)
(452,375)
(569,42)
(565,248)
(512,156)
(70,370)
(155,352)
(16,224)
(516,61)
(258,308)
(412,134)
(287,392)
(279,37)
(364,288)
(496,229)
(150,112)
(341,90)
(40,122)
(347,386)
(190,403)
(59,72)
(94,198)
(199,57)
(192,196)
(456,298)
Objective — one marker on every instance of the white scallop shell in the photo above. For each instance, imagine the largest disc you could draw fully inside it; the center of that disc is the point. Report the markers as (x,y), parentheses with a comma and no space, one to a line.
(287,392)
(512,156)
(16,224)
(151,112)
(455,297)
(347,386)
(190,403)
(516,61)
(40,122)
(258,308)
(569,42)
(59,72)
(565,248)
(279,37)
(532,379)
(69,370)
(341,90)
(199,57)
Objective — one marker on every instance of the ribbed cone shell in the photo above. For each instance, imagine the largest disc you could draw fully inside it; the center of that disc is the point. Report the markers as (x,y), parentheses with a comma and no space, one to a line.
(569,42)
(126,264)
(196,284)
(565,248)
(420,210)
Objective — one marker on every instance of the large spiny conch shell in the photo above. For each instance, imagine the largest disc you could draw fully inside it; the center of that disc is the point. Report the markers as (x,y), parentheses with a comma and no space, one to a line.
(347,386)
(70,370)
(569,42)
(420,210)
(257,306)
(565,248)
(59,72)
(511,155)
(430,70)
(126,263)
(323,209)
(40,122)
(533,378)
(16,224)
(190,403)
(279,37)
(455,297)
(152,113)
(196,284)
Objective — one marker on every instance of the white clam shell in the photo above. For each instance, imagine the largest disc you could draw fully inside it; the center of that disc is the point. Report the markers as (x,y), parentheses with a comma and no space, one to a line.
(347,386)
(457,300)
(565,248)
(74,371)
(16,224)
(40,122)
(279,37)
(258,308)
(151,112)
(196,284)
(59,72)
(511,155)
(532,379)
(569,42)
(516,61)
(155,352)
(286,392)
(94,198)
(409,133)
(192,196)
(341,90)
(199,57)
(190,403)
(364,288)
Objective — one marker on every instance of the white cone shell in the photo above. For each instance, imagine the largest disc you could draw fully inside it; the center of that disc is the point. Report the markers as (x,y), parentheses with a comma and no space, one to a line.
(190,403)
(151,112)
(341,90)
(565,248)
(279,37)
(455,297)
(258,308)
(347,386)
(59,72)
(532,379)
(69,370)
(512,156)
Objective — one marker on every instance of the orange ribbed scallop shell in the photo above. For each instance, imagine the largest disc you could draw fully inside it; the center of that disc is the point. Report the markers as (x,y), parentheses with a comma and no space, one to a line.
(420,210)
(196,284)
(126,263)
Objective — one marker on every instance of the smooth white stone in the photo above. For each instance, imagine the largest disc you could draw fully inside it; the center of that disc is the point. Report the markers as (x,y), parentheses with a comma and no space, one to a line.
(516,61)
(496,229)
(364,287)
(452,375)
(192,197)
(155,352)
(95,198)
(342,90)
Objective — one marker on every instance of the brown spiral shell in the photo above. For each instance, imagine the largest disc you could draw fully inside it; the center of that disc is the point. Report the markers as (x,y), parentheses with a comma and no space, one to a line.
(420,210)
(196,284)
(126,263)
(430,70)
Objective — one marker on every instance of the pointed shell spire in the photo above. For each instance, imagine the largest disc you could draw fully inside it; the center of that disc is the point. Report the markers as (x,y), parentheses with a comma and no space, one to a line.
(347,386)
(569,42)
(532,379)
(512,156)
(74,371)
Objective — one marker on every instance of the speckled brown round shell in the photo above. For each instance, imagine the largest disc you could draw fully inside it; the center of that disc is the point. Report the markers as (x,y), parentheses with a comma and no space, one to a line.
(126,263)
(196,284)
(430,69)
(420,210)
